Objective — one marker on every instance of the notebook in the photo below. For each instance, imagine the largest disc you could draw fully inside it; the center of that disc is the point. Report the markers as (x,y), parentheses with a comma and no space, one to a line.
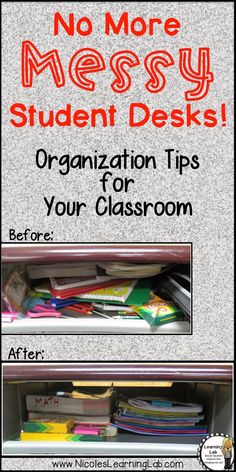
(87,289)
(139,294)
(119,292)
(64,283)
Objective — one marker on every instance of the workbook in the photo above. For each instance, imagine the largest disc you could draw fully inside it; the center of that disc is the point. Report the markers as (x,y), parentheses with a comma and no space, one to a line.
(160,417)
(149,404)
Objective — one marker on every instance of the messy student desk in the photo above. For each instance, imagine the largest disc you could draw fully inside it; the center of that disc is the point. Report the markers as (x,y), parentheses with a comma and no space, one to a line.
(35,260)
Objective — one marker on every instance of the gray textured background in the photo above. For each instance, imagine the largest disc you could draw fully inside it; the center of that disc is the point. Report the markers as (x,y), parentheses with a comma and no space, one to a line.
(210,189)
(36,464)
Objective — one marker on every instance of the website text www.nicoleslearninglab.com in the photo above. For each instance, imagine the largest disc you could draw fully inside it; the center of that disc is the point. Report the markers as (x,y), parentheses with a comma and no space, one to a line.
(119,464)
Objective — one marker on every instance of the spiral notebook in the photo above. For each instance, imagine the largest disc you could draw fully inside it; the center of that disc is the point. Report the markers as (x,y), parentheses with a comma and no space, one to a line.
(139,294)
(119,292)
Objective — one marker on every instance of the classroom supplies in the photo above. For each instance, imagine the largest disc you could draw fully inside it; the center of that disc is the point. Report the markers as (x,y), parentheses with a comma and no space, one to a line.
(180,431)
(39,294)
(67,427)
(48,425)
(149,403)
(139,294)
(125,293)
(9,317)
(178,286)
(160,417)
(103,307)
(158,312)
(87,430)
(40,311)
(107,393)
(14,290)
(110,431)
(115,311)
(59,437)
(43,314)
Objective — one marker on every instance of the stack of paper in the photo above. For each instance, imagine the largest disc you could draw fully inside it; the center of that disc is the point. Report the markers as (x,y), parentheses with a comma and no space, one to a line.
(160,417)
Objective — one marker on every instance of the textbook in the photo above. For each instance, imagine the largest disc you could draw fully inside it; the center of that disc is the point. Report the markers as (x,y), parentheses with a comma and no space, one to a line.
(48,425)
(59,437)
(70,269)
(66,405)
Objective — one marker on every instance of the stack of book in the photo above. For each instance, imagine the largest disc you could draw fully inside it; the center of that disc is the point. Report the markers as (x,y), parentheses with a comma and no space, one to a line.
(177,286)
(109,290)
(160,417)
(67,416)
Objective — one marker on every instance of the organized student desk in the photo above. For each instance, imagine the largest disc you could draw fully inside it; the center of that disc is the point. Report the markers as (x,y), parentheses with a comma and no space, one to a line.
(209,384)
(23,255)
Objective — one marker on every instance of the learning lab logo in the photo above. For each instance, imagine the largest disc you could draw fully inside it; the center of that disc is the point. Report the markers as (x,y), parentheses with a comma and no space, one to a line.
(216,452)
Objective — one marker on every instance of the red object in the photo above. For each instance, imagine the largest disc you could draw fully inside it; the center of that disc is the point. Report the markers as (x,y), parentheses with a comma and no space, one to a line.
(87,310)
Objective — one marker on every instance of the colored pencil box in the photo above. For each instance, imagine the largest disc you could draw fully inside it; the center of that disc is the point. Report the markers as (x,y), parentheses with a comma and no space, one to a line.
(58,437)
(159,312)
(48,425)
